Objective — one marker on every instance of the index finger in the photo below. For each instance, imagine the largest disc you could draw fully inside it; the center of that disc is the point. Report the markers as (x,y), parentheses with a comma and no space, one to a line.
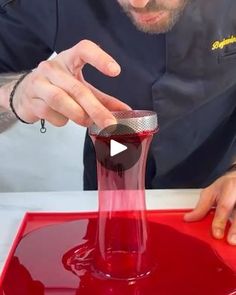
(83,96)
(203,206)
(223,210)
(87,52)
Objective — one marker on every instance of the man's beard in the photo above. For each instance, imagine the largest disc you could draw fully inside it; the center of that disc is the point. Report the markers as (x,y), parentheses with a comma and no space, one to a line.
(163,25)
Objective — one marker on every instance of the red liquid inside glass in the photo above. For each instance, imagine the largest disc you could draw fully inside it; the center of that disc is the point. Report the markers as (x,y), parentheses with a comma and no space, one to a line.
(124,253)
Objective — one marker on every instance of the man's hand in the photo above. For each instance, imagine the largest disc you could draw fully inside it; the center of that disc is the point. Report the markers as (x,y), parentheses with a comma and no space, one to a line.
(222,194)
(56,90)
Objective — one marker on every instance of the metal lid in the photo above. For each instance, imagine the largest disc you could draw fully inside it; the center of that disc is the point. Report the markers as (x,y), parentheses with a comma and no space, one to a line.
(136,122)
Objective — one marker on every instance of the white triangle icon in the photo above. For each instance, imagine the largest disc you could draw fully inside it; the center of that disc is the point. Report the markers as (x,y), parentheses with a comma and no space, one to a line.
(116,148)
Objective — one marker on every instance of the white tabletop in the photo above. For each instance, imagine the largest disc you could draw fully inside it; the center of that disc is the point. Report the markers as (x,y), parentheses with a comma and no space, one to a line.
(13,206)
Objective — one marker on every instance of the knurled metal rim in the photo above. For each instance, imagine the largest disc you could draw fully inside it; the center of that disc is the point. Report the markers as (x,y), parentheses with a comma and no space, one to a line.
(136,120)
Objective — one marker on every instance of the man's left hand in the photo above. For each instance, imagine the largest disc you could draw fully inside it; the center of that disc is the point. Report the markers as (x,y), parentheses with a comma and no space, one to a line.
(222,194)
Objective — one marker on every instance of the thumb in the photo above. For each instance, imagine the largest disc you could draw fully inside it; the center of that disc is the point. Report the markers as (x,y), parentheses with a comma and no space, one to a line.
(203,206)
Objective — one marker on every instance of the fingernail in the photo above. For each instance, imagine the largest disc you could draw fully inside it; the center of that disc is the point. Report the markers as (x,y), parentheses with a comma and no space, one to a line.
(114,68)
(189,217)
(218,233)
(233,239)
(186,216)
(129,108)
(109,122)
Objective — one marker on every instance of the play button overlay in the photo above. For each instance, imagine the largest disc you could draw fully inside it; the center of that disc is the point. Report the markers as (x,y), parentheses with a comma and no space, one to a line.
(118,147)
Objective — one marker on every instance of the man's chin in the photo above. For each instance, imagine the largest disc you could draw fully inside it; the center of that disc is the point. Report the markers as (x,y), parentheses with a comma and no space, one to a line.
(154,24)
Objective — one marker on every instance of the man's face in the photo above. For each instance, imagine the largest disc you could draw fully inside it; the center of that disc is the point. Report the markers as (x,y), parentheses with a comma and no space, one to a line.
(154,16)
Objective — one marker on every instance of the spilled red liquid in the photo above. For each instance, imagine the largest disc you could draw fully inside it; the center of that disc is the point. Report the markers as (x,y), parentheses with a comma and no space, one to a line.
(43,263)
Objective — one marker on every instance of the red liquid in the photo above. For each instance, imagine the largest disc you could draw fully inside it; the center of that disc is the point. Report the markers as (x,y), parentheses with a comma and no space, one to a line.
(184,265)
(123,248)
(118,253)
(122,190)
(124,179)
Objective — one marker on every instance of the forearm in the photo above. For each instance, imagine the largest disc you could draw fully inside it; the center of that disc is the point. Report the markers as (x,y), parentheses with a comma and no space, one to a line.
(6,84)
(7,118)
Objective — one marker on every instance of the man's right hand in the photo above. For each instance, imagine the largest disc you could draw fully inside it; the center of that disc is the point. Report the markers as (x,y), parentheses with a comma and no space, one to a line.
(57,92)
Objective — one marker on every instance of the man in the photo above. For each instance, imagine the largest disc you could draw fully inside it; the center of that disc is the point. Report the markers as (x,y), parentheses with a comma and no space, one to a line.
(177,57)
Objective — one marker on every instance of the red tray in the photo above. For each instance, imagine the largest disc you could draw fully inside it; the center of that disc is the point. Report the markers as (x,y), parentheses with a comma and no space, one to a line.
(173,218)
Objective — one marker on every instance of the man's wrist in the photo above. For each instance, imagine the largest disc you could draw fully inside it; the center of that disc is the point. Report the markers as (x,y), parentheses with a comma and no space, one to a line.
(5,92)
(12,95)
(7,118)
(7,82)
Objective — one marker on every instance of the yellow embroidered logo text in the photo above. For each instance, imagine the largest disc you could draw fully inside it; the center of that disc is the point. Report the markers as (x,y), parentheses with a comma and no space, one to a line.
(221,44)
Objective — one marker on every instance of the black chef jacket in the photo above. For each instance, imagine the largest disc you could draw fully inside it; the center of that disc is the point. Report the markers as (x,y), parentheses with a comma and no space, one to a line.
(187,76)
